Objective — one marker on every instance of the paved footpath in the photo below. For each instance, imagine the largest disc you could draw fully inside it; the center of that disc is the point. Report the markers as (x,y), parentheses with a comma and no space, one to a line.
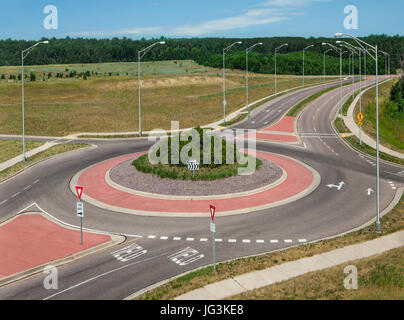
(258,279)
(350,122)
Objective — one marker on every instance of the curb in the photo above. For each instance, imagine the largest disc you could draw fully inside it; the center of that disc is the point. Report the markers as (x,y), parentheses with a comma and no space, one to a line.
(115,240)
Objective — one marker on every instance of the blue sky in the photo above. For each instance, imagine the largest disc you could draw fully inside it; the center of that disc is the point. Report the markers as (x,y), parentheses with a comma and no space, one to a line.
(23,19)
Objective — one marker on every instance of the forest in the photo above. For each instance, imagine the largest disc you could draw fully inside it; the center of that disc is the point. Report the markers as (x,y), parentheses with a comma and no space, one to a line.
(205,51)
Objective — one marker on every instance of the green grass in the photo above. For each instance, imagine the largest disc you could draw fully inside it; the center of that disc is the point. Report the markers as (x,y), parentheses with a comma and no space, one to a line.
(60,148)
(392,222)
(354,142)
(109,104)
(380,277)
(12,148)
(181,171)
(391,128)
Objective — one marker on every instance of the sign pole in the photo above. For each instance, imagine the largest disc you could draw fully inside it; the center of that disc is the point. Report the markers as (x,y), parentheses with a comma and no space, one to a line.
(80,211)
(81,230)
(213,230)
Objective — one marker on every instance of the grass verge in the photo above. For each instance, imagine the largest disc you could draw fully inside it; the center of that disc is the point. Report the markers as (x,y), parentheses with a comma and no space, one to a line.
(341,127)
(392,222)
(380,277)
(12,148)
(354,142)
(60,148)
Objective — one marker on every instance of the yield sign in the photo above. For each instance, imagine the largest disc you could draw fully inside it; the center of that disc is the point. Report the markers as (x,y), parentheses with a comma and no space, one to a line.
(212,211)
(79,191)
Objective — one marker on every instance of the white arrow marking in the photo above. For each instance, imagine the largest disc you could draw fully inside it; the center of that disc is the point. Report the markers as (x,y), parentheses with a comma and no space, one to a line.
(336,186)
(369,191)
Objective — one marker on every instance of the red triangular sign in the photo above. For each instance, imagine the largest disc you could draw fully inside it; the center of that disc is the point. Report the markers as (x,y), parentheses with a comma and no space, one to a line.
(79,191)
(212,211)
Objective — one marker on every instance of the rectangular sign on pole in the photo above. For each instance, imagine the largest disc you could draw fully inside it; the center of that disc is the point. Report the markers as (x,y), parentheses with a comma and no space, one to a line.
(80,209)
(212,227)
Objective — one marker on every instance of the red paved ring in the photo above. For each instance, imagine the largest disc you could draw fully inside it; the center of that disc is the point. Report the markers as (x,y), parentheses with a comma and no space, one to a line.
(300,181)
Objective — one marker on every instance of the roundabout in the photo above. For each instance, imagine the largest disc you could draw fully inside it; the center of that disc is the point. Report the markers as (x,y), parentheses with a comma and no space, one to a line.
(296,181)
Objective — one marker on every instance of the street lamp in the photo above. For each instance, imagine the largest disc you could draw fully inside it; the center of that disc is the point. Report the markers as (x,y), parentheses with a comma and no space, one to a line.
(324,63)
(224,78)
(24,54)
(312,45)
(140,55)
(365,47)
(385,61)
(339,50)
(246,57)
(276,49)
(353,51)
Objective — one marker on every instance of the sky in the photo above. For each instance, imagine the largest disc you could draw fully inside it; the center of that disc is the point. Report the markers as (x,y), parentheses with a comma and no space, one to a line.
(24,19)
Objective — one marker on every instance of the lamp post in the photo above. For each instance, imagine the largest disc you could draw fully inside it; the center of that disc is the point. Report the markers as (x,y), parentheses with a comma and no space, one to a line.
(140,55)
(24,54)
(339,50)
(224,78)
(386,59)
(276,49)
(312,45)
(358,51)
(364,45)
(324,63)
(246,62)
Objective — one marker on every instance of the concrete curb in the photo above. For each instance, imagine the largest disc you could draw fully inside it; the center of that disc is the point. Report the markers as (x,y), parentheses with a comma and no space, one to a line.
(315,183)
(115,240)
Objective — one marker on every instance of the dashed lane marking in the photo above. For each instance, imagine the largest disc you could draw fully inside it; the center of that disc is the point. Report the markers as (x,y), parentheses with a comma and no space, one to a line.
(26,188)
(232,240)
(246,241)
(190,239)
(203,239)
(152,236)
(260,241)
(3,202)
(274,241)
(163,238)
(288,241)
(177,238)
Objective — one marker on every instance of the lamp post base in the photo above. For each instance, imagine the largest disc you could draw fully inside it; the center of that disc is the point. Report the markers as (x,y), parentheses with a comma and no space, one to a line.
(378,227)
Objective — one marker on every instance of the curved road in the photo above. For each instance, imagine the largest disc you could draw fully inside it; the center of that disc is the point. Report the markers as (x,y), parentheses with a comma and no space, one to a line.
(325,212)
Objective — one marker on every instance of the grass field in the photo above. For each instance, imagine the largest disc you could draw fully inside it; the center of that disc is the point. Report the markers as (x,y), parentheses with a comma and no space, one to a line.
(110,104)
(391,130)
(379,278)
(392,222)
(12,148)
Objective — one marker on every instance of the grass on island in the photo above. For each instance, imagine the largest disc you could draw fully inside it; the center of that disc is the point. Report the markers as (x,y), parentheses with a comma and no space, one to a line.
(60,148)
(12,148)
(110,103)
(380,277)
(196,139)
(392,222)
(391,129)
(340,126)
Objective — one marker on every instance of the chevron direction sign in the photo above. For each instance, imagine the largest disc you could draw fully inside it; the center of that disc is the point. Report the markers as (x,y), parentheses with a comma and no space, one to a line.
(193,165)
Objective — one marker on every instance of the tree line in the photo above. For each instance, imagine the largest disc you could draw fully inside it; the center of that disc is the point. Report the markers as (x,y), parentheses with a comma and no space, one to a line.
(205,51)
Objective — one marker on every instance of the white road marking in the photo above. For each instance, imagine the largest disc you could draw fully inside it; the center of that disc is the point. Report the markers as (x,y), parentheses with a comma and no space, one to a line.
(14,195)
(163,238)
(129,252)
(203,239)
(185,256)
(152,236)
(3,202)
(338,187)
(302,240)
(246,241)
(260,241)
(288,240)
(27,187)
(219,240)
(232,240)
(177,238)
(37,180)
(274,241)
(190,239)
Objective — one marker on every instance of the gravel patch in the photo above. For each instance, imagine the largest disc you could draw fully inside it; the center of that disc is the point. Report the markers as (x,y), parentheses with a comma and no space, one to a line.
(125,174)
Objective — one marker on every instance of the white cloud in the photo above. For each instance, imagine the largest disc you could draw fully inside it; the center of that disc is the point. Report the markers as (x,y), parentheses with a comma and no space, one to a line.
(270,11)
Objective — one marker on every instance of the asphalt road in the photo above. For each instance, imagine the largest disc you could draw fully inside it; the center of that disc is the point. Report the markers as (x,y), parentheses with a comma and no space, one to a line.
(325,212)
